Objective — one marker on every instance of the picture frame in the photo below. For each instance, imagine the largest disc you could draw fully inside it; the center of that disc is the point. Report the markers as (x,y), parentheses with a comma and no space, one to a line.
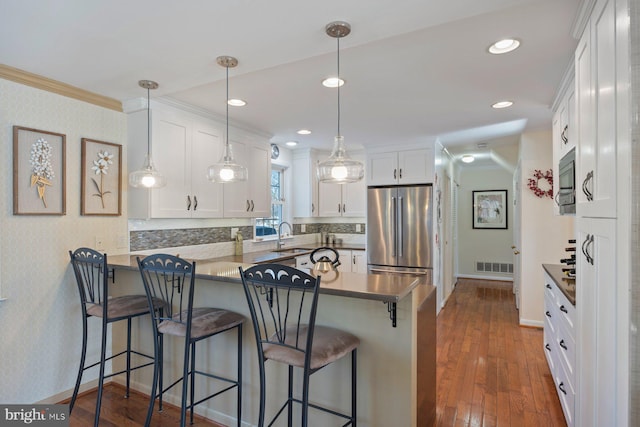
(39,172)
(101,178)
(490,209)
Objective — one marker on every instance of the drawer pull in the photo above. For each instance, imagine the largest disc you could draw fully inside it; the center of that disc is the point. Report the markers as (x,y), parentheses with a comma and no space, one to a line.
(548,286)
(561,387)
(563,309)
(563,345)
(548,314)
(547,347)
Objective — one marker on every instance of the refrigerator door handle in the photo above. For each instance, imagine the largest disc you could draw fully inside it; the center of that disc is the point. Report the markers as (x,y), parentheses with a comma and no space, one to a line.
(400,226)
(395,225)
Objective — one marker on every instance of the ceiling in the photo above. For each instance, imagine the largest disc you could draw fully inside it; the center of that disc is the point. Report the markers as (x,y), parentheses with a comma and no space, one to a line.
(415,70)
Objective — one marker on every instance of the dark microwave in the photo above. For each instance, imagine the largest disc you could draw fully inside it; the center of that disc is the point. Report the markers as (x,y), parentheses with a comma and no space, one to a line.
(566,183)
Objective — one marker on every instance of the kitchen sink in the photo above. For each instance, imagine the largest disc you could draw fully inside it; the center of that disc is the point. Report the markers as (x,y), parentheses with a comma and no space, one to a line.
(292,250)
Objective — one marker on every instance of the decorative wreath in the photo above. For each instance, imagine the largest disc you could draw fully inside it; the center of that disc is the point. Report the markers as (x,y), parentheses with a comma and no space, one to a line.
(533,183)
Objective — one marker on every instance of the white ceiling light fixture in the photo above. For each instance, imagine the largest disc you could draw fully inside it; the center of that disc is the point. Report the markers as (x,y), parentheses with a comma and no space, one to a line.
(147,176)
(504,46)
(291,143)
(333,82)
(467,158)
(339,168)
(227,170)
(237,102)
(502,104)
(304,132)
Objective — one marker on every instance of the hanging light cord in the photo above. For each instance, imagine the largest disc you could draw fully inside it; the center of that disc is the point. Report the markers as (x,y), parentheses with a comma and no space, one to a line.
(226,154)
(338,39)
(148,125)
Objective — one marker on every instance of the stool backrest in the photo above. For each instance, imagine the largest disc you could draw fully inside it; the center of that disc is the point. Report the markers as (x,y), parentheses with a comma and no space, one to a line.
(90,269)
(170,279)
(282,301)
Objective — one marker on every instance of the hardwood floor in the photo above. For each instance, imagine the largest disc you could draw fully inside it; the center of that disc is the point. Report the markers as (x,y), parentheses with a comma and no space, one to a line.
(117,411)
(490,371)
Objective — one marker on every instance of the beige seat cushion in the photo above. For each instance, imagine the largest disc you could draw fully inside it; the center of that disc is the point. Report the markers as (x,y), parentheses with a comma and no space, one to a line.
(128,305)
(205,321)
(329,345)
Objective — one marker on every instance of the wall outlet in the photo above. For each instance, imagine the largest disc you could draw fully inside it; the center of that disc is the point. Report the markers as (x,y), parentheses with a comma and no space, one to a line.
(99,245)
(303,228)
(358,228)
(234,231)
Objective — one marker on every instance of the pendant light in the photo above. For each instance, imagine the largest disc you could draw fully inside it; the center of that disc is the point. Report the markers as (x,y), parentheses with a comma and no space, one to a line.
(227,170)
(148,176)
(339,168)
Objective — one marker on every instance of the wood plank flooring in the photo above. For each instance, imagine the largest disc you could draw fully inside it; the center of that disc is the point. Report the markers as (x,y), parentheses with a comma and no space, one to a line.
(491,371)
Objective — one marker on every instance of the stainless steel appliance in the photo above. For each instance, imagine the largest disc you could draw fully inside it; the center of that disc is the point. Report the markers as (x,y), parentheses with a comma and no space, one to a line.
(399,235)
(566,196)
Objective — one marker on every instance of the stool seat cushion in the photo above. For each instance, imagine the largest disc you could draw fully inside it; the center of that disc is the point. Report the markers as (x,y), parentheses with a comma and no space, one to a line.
(329,345)
(205,321)
(124,306)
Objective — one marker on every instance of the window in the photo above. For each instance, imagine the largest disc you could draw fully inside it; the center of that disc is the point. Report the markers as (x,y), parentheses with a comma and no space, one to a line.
(266,227)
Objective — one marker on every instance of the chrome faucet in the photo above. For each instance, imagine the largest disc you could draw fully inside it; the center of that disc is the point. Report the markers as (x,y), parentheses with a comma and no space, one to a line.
(279,245)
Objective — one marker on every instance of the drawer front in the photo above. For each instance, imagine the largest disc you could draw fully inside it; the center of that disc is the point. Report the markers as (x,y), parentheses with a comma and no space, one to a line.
(567,395)
(567,350)
(567,314)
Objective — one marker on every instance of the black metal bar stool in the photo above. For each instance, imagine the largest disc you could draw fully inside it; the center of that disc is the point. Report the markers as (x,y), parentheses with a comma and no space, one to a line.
(172,279)
(90,268)
(284,324)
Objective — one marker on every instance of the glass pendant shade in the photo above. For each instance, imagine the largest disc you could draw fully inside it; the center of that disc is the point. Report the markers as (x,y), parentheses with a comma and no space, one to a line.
(227,170)
(147,176)
(339,168)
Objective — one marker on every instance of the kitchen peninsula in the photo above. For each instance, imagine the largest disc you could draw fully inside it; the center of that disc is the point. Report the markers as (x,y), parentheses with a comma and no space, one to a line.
(396,365)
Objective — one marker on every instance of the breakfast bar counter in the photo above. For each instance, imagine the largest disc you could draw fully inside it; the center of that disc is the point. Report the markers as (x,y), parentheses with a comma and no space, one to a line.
(396,365)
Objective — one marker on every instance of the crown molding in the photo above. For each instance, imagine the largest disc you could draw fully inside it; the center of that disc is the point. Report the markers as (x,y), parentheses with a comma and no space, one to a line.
(54,86)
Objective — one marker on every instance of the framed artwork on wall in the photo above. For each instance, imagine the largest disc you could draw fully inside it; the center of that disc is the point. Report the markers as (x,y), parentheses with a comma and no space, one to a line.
(39,172)
(101,182)
(490,209)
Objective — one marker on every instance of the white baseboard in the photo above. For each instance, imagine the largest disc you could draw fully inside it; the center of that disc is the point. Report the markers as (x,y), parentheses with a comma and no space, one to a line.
(67,393)
(532,323)
(476,276)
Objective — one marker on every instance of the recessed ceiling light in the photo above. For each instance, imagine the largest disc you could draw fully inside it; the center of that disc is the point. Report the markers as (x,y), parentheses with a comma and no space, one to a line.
(332,82)
(482,145)
(504,46)
(502,104)
(291,143)
(237,102)
(304,132)
(467,158)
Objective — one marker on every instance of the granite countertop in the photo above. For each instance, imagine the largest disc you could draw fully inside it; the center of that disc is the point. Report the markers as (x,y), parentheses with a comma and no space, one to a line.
(567,285)
(380,287)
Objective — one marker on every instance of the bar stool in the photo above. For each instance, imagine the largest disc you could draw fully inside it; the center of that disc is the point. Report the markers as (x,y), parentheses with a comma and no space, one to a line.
(91,272)
(172,279)
(285,329)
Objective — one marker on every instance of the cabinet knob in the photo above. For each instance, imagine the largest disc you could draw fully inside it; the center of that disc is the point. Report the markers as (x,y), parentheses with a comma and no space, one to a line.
(548,286)
(563,309)
(547,347)
(548,314)
(561,387)
(563,345)
(516,252)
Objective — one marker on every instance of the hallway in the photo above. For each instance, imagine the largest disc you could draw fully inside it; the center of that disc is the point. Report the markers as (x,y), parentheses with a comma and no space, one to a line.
(490,371)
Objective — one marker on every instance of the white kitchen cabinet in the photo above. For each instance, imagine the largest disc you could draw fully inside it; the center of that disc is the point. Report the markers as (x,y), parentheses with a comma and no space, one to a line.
(595,68)
(251,198)
(305,184)
(560,345)
(348,200)
(182,147)
(358,261)
(596,298)
(563,135)
(400,167)
(344,256)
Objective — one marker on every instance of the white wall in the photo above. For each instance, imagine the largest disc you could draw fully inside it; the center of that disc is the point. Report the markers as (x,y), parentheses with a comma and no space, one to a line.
(543,235)
(41,337)
(489,245)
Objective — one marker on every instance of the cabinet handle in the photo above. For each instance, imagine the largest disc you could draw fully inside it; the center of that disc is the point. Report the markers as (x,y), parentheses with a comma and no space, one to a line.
(592,259)
(394,174)
(563,135)
(548,314)
(585,249)
(563,345)
(556,198)
(585,190)
(252,205)
(354,260)
(563,309)
(313,207)
(547,347)
(248,205)
(400,173)
(195,203)
(548,286)
(188,202)
(339,208)
(561,387)
(344,208)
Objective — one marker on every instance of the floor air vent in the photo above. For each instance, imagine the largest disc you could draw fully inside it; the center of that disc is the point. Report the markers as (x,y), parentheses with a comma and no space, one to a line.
(494,267)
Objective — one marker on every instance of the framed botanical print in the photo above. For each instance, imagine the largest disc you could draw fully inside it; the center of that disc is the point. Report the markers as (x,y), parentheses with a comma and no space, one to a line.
(101,182)
(39,172)
(490,209)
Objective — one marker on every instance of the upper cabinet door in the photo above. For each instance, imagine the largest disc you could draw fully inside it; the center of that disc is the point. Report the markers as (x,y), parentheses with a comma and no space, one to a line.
(259,180)
(206,149)
(415,166)
(382,168)
(236,194)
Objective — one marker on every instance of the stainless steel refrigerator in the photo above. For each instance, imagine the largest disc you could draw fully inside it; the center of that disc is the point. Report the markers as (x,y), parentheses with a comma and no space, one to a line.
(399,232)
